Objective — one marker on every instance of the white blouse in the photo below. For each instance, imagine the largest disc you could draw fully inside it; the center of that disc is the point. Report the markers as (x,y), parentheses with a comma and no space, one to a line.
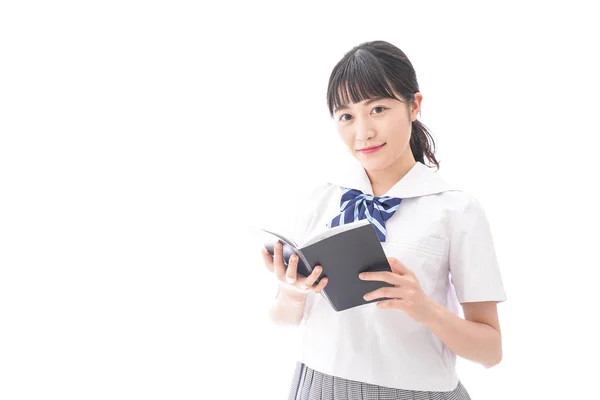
(443,236)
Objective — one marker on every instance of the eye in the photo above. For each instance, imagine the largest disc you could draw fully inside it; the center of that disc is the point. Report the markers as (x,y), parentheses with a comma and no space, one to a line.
(379,108)
(342,117)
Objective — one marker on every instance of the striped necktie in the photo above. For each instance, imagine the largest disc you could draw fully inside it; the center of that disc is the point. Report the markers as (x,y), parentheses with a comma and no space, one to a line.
(355,205)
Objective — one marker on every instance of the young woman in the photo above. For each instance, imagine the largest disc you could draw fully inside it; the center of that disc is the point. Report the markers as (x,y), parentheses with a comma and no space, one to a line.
(436,237)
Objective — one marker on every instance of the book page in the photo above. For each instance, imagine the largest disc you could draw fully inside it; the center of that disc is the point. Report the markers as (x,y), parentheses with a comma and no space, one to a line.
(280,236)
(334,231)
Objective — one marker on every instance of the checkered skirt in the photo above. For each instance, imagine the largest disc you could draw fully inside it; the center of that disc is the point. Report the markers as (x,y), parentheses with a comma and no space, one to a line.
(309,384)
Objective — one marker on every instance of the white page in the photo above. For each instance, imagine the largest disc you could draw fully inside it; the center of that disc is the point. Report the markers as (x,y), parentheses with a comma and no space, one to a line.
(334,231)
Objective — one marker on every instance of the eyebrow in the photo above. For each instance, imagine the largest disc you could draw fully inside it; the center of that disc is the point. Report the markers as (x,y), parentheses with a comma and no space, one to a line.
(373,100)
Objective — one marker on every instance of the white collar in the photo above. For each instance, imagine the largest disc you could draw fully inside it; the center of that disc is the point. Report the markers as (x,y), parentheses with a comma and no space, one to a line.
(420,180)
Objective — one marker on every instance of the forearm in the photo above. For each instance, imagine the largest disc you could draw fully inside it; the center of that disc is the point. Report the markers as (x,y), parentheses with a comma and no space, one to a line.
(474,341)
(288,308)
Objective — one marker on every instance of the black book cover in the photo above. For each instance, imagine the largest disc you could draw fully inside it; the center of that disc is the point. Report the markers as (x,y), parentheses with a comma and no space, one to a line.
(343,256)
(343,253)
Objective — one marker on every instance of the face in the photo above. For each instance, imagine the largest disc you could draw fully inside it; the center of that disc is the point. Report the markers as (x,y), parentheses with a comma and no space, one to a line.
(377,131)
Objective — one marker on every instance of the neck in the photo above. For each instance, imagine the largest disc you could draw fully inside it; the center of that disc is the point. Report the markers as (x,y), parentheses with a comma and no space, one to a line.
(384,179)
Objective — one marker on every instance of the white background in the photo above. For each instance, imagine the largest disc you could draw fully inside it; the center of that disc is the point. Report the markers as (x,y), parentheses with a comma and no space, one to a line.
(139,140)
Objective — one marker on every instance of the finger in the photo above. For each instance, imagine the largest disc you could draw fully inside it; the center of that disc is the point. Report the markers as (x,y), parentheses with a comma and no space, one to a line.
(384,292)
(312,278)
(402,281)
(292,268)
(268,259)
(320,286)
(398,267)
(383,276)
(278,261)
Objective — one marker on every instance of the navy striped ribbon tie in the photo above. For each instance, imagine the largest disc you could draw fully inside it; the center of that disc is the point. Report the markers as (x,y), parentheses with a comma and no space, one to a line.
(355,205)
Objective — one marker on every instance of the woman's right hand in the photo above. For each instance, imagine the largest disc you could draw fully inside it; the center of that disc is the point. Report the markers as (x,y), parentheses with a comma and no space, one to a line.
(289,276)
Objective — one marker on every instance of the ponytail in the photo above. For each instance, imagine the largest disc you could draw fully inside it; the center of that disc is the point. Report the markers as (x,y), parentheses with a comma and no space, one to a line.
(422,144)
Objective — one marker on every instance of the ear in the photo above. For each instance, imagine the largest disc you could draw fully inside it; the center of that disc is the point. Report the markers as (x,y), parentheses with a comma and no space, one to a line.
(416,106)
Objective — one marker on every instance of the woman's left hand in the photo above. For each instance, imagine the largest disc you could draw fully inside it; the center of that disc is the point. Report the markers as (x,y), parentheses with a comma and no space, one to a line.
(407,294)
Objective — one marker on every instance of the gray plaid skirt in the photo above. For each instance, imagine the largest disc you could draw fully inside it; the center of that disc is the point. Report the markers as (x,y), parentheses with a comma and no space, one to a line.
(309,384)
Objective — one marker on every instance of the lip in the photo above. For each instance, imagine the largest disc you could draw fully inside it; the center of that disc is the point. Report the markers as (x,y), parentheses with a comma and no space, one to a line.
(370,150)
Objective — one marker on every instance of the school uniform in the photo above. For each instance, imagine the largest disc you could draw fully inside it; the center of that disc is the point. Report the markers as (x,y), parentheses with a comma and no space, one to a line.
(442,235)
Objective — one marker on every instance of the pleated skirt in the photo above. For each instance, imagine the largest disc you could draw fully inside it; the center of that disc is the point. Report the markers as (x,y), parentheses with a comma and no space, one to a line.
(308,384)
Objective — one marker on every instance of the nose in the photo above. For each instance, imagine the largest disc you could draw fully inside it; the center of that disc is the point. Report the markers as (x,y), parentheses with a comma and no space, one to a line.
(364,130)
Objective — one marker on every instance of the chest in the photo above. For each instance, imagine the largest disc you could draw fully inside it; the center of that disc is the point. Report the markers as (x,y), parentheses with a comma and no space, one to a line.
(417,236)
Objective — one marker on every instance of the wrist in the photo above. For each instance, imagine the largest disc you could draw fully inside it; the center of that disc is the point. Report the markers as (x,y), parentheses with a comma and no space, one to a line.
(434,313)
(292,295)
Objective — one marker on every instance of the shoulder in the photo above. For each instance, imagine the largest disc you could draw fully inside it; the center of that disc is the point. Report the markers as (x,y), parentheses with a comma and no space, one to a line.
(310,196)
(321,188)
(458,201)
(315,197)
(313,193)
(463,211)
(308,201)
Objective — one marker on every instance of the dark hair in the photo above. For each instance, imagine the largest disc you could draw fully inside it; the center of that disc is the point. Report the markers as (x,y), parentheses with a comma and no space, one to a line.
(374,69)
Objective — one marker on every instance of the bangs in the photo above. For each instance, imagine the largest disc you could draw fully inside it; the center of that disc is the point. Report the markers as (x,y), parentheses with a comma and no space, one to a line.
(356,78)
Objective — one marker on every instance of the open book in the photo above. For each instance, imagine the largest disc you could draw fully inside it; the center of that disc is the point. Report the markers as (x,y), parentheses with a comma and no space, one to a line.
(343,252)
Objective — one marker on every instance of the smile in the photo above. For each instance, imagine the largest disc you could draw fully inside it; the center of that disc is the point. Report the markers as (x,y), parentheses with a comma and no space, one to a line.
(370,150)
